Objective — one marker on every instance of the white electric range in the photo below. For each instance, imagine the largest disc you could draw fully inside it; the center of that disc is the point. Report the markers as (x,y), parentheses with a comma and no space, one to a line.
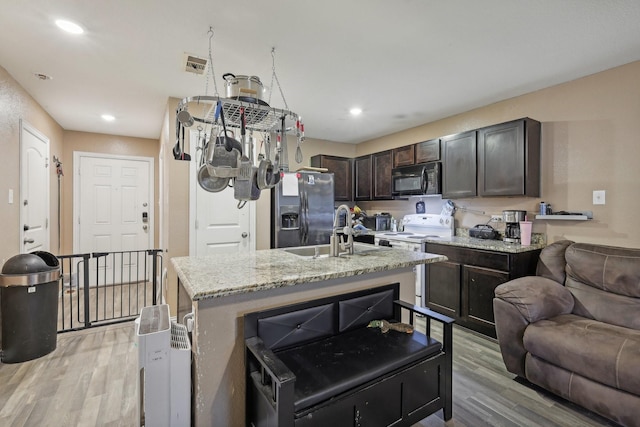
(418,229)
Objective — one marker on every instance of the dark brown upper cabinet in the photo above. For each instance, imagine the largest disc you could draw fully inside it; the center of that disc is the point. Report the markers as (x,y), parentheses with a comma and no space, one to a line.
(404,156)
(362,183)
(372,176)
(381,170)
(428,151)
(509,159)
(341,168)
(459,165)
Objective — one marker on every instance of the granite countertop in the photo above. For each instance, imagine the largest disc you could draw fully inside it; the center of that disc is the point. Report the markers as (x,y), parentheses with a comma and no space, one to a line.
(489,245)
(228,274)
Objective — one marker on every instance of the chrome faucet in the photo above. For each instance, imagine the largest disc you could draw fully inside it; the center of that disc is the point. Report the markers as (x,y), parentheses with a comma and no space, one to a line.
(337,243)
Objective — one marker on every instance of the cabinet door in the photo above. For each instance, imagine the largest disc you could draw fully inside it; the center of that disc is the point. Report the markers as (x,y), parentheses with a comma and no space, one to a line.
(341,168)
(478,286)
(509,159)
(459,165)
(362,178)
(381,172)
(403,156)
(443,288)
(428,151)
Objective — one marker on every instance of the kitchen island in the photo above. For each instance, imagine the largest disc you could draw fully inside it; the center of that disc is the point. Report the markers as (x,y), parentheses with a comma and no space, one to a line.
(221,289)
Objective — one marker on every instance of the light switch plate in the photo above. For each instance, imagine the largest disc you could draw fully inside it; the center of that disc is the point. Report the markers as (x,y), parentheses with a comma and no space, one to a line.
(599,197)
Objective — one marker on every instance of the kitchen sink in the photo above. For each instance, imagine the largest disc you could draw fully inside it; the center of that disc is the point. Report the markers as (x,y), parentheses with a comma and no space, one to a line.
(323,251)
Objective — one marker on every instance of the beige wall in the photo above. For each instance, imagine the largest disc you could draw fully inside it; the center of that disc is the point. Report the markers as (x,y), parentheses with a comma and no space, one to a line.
(16,104)
(590,134)
(175,199)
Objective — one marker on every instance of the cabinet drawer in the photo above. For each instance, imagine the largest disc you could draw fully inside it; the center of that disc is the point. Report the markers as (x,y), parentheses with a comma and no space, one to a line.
(477,257)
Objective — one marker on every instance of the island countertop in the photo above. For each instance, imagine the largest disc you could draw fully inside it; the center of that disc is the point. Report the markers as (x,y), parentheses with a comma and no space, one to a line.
(220,275)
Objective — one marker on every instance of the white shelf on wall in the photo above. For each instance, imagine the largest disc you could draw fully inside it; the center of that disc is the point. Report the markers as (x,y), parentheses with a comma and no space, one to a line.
(573,216)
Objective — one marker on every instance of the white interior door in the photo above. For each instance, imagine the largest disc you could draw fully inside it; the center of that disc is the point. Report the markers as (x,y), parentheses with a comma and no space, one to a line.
(34,189)
(113,208)
(216,223)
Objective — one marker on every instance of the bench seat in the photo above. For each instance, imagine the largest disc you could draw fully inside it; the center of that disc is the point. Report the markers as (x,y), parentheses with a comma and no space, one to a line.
(317,364)
(333,365)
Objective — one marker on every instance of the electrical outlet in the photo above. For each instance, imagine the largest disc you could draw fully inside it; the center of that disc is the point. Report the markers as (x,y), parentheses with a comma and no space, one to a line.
(599,197)
(496,218)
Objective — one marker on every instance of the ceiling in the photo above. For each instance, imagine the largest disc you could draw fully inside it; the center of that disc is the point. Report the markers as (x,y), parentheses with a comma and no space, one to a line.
(404,62)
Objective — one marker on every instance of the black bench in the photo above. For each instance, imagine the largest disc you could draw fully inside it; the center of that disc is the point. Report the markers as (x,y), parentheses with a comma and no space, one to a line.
(318,364)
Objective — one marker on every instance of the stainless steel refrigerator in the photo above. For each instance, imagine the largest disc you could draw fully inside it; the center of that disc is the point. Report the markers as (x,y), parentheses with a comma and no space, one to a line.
(302,209)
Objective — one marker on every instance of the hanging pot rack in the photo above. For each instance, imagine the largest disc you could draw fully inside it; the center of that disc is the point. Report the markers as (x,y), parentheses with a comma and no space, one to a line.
(259,118)
(249,115)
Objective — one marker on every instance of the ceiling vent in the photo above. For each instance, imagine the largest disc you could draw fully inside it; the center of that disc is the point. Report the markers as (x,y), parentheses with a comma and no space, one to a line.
(194,64)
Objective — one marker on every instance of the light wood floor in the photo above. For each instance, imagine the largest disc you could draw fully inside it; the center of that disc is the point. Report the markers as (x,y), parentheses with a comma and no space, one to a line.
(105,303)
(90,380)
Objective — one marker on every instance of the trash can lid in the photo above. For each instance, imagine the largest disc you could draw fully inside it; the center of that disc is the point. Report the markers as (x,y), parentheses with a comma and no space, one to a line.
(30,269)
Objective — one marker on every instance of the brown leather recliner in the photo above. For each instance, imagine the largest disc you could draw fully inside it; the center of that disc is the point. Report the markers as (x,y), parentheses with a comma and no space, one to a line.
(574,328)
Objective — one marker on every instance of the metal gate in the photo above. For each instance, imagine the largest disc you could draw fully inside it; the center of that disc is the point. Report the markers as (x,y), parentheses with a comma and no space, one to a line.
(107,287)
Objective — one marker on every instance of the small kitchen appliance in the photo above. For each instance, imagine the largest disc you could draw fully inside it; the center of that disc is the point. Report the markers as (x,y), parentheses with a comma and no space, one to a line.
(417,180)
(512,220)
(484,231)
(377,222)
(418,230)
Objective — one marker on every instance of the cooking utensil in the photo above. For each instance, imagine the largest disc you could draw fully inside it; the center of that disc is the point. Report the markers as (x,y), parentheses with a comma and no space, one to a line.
(247,87)
(299,156)
(229,143)
(284,151)
(178,149)
(185,118)
(209,182)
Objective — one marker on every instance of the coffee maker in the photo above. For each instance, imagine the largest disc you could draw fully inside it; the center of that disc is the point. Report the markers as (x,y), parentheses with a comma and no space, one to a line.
(512,225)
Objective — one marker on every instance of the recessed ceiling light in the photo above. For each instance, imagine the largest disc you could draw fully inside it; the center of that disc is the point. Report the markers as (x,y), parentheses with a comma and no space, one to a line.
(108,117)
(355,111)
(69,27)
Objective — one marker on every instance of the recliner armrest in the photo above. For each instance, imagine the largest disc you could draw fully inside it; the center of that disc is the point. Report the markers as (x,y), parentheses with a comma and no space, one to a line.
(536,297)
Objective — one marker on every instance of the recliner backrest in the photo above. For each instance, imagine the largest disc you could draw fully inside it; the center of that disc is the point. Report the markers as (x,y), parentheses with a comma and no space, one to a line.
(605,283)
(551,263)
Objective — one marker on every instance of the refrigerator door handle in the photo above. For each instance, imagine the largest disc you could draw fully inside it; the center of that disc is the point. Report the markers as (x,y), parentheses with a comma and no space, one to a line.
(304,214)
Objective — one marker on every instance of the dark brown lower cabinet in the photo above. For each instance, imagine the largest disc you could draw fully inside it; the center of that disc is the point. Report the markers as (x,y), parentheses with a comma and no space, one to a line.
(463,287)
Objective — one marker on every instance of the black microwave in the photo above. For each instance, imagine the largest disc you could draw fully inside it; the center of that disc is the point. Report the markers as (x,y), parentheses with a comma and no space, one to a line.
(422,179)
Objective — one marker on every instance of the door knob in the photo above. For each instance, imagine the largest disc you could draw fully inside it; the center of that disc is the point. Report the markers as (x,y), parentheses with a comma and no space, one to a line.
(144,227)
(244,234)
(28,241)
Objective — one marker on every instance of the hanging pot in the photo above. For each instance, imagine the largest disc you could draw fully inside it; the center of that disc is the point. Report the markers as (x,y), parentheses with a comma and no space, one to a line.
(209,182)
(244,88)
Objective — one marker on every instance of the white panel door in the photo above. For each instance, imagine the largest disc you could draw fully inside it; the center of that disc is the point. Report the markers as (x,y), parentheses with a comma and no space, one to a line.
(114,203)
(34,189)
(218,226)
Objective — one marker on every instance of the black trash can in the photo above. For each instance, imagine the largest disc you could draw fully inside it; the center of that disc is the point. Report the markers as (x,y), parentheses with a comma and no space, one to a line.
(29,306)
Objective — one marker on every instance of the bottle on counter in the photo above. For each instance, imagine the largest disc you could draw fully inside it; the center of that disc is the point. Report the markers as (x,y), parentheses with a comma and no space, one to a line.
(543,208)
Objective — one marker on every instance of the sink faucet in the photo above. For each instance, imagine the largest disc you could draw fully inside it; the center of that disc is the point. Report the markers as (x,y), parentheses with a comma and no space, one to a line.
(337,244)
